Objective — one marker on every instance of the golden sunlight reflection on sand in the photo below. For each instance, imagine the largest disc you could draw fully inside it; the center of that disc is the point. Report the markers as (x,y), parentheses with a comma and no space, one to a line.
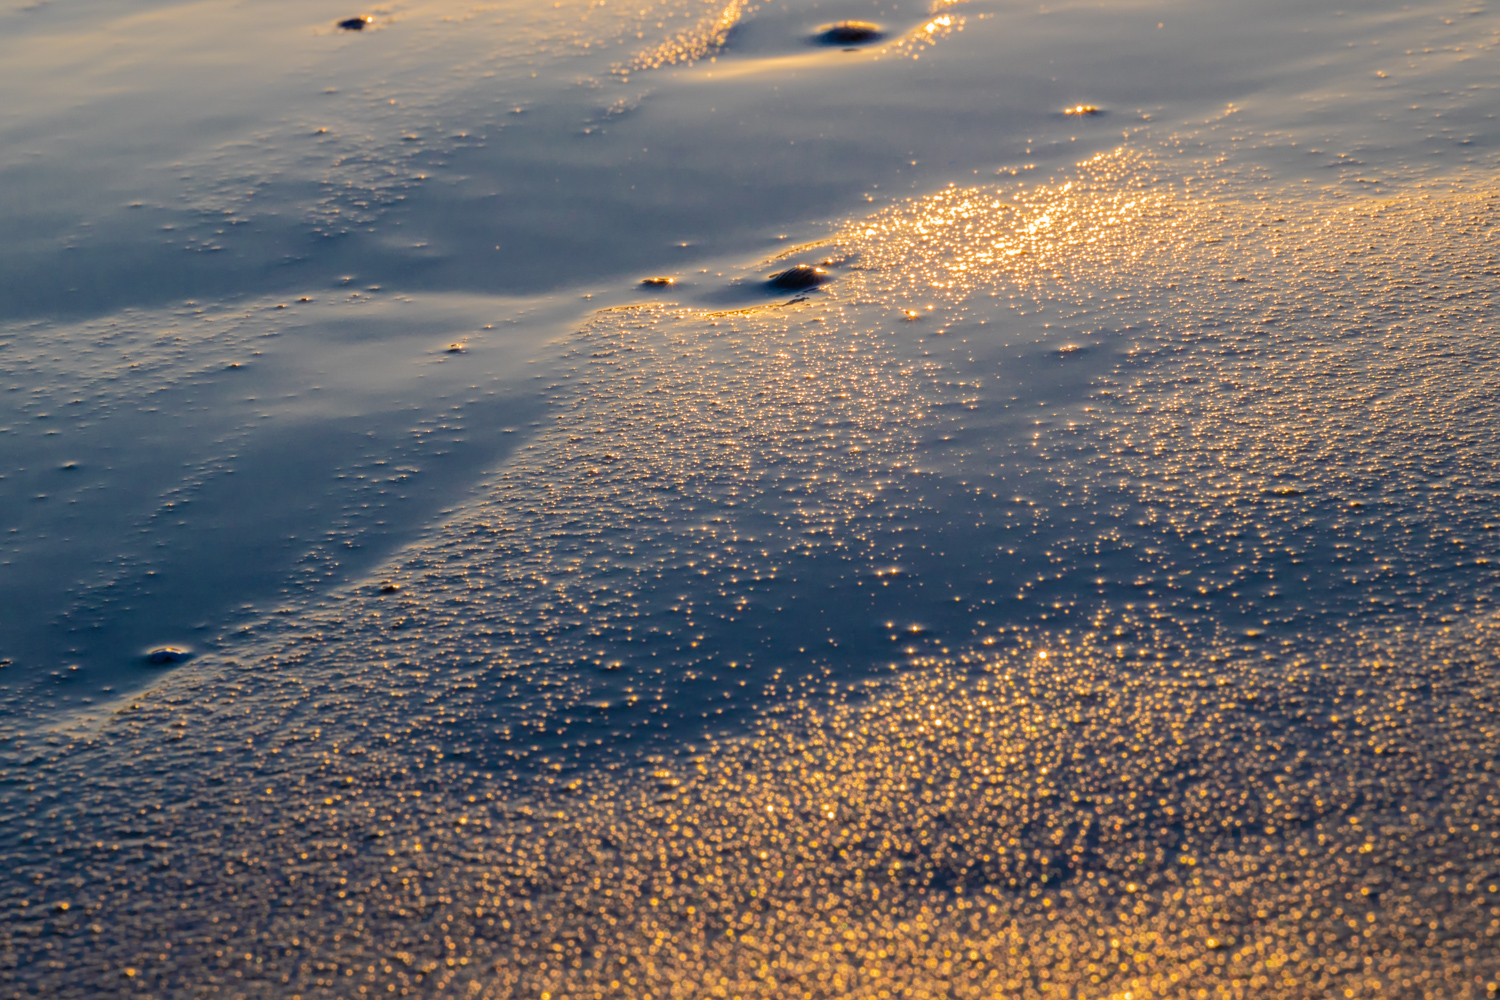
(1132,797)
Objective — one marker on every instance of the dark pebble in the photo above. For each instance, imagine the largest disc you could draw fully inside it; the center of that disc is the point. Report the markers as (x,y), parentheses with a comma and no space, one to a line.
(389,588)
(355,23)
(166,655)
(849,33)
(798,279)
(658,282)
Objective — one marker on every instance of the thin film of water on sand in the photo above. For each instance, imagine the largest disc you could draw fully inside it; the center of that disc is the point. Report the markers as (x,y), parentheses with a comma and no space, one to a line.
(1198,760)
(1087,593)
(226,389)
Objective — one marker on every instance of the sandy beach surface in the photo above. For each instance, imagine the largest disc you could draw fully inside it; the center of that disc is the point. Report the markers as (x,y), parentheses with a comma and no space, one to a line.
(677,500)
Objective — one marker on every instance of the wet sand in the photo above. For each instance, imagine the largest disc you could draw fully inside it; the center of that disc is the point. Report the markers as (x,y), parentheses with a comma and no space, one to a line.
(1084,588)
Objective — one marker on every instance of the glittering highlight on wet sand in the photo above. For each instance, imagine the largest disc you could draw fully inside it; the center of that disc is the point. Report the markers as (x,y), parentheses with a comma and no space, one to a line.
(1214,736)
